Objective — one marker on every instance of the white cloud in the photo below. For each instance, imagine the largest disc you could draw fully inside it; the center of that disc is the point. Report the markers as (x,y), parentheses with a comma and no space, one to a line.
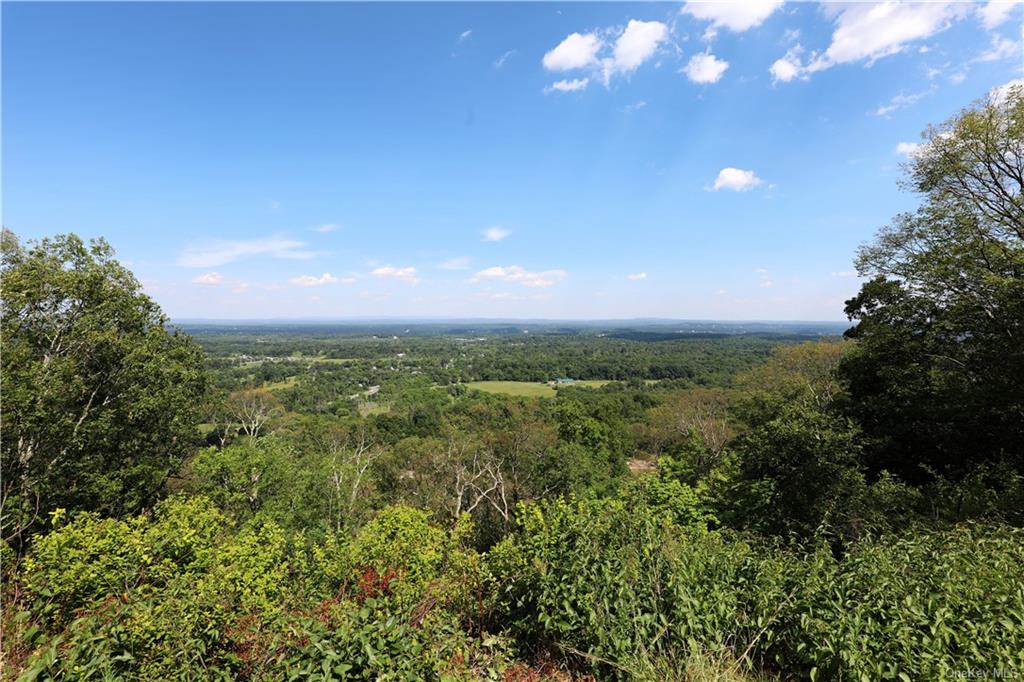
(736,179)
(324,229)
(407,274)
(870,31)
(898,102)
(636,106)
(458,263)
(575,52)
(636,276)
(465,34)
(347,280)
(787,67)
(495,233)
(313,281)
(908,149)
(636,44)
(209,279)
(765,283)
(519,275)
(218,252)
(705,68)
(1002,48)
(845,273)
(1000,93)
(567,85)
(500,61)
(735,16)
(995,12)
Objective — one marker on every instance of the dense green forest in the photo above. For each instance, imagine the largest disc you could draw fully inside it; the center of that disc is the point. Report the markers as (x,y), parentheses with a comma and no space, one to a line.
(259,503)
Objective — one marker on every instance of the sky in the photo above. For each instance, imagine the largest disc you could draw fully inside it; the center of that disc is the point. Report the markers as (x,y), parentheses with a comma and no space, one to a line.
(452,160)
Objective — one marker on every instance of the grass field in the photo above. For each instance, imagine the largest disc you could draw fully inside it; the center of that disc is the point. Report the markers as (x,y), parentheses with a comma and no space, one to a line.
(524,389)
(287,382)
(529,389)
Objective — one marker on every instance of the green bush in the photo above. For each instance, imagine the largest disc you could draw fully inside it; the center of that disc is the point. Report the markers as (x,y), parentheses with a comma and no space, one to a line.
(915,608)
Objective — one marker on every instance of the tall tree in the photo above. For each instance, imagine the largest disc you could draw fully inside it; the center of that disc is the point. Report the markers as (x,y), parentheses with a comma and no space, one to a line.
(100,399)
(937,378)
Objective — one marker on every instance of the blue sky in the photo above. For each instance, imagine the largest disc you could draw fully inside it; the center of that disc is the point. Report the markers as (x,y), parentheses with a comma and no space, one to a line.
(703,161)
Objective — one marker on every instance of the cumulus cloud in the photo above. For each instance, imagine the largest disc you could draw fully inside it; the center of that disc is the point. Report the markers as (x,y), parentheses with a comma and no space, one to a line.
(568,85)
(458,263)
(637,276)
(908,149)
(209,279)
(575,52)
(735,16)
(634,46)
(995,12)
(407,274)
(705,68)
(219,252)
(519,275)
(313,281)
(495,233)
(871,31)
(736,179)
(788,66)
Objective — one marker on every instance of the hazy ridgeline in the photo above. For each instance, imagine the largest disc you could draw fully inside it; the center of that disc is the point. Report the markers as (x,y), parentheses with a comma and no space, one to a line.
(689,500)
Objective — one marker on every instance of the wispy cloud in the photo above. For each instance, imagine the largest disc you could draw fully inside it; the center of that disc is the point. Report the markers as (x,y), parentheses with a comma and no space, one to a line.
(573,85)
(406,274)
(208,279)
(217,252)
(636,276)
(899,102)
(845,273)
(995,12)
(329,227)
(464,36)
(495,233)
(458,263)
(1002,48)
(519,275)
(500,61)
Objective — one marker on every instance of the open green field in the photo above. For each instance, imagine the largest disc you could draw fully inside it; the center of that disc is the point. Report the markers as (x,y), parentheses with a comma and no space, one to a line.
(287,382)
(524,389)
(589,383)
(529,389)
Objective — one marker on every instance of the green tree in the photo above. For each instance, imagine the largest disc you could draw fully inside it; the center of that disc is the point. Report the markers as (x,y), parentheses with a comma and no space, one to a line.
(100,398)
(936,376)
